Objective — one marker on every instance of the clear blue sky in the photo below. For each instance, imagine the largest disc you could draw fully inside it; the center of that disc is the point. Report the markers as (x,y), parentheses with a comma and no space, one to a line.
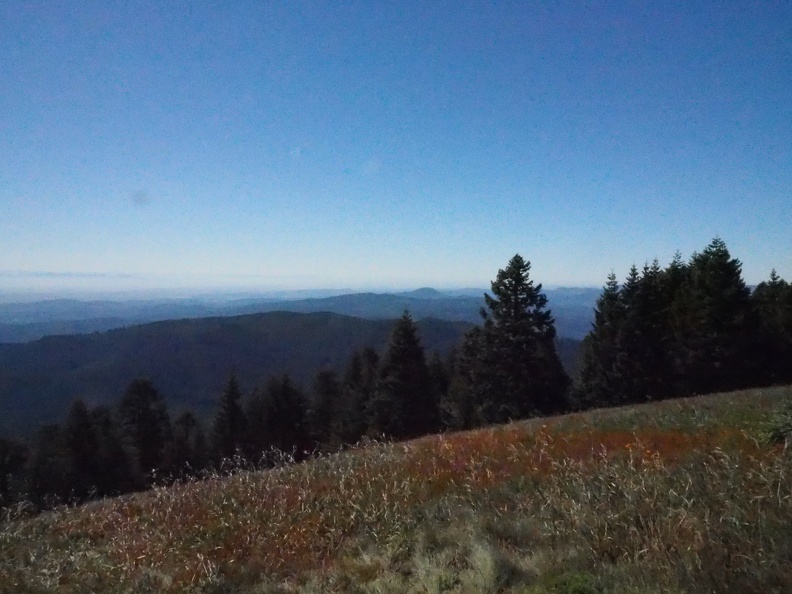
(373,144)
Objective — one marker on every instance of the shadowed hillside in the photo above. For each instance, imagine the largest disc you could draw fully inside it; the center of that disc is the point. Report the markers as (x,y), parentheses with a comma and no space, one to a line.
(189,360)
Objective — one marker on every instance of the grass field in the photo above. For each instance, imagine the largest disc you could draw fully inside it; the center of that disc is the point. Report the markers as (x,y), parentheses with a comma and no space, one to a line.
(678,496)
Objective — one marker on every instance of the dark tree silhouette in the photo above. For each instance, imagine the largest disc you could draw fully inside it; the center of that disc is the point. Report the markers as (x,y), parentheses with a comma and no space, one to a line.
(405,403)
(715,324)
(190,453)
(13,455)
(773,302)
(82,448)
(357,390)
(228,430)
(323,407)
(145,427)
(277,418)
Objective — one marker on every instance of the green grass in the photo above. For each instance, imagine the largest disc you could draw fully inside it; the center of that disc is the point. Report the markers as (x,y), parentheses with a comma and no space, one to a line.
(680,496)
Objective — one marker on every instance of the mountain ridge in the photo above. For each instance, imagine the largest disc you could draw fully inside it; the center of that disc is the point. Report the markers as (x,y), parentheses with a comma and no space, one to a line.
(23,322)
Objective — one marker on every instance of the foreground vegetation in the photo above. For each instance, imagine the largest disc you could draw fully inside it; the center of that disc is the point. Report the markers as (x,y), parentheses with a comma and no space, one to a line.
(679,496)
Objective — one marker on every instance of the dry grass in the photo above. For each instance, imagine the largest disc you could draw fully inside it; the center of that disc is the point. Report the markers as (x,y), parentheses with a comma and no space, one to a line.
(670,497)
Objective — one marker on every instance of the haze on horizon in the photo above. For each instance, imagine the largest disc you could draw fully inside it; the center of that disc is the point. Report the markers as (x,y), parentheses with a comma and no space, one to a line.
(306,145)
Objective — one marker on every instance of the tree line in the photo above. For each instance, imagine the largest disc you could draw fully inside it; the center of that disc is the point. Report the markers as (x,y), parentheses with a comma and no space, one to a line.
(691,328)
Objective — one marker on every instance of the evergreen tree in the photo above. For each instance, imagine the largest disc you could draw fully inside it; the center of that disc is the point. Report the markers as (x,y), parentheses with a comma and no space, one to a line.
(82,447)
(145,427)
(13,455)
(439,374)
(404,404)
(277,418)
(674,278)
(48,471)
(114,467)
(643,366)
(228,430)
(715,324)
(773,303)
(357,390)
(323,407)
(465,405)
(686,329)
(599,383)
(518,373)
(189,445)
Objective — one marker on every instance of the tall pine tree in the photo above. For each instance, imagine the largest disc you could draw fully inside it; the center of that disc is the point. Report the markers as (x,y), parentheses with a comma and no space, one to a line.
(773,303)
(323,407)
(405,403)
(229,427)
(516,372)
(599,382)
(357,390)
(277,418)
(715,324)
(145,427)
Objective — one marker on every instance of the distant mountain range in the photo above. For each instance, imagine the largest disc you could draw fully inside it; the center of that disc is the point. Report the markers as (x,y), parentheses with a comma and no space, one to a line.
(23,322)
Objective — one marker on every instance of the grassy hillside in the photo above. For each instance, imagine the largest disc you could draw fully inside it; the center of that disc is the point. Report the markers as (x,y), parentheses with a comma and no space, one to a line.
(679,496)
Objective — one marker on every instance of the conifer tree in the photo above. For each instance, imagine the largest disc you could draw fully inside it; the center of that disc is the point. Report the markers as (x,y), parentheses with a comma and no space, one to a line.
(404,404)
(691,328)
(599,384)
(48,471)
(518,372)
(145,426)
(773,302)
(358,386)
(439,374)
(13,455)
(715,324)
(115,474)
(465,405)
(277,418)
(229,427)
(643,366)
(189,445)
(323,407)
(82,448)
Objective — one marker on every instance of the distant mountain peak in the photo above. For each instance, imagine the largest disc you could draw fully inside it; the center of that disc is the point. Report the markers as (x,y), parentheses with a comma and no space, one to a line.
(425,293)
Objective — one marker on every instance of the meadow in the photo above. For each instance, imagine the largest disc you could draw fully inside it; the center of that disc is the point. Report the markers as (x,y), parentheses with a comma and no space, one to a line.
(678,496)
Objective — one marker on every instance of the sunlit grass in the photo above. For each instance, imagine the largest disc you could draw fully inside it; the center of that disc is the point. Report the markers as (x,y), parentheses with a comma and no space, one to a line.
(679,496)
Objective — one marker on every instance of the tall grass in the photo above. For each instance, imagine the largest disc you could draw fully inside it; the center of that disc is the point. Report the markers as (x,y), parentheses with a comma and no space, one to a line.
(680,497)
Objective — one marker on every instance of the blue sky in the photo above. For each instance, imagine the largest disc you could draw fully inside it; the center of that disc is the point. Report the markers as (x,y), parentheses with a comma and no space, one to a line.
(389,144)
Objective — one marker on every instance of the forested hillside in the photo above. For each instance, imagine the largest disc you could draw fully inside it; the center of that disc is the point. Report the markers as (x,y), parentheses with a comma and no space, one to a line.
(188,360)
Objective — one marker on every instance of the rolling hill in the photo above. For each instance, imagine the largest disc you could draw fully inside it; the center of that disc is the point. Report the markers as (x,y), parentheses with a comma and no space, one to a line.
(188,360)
